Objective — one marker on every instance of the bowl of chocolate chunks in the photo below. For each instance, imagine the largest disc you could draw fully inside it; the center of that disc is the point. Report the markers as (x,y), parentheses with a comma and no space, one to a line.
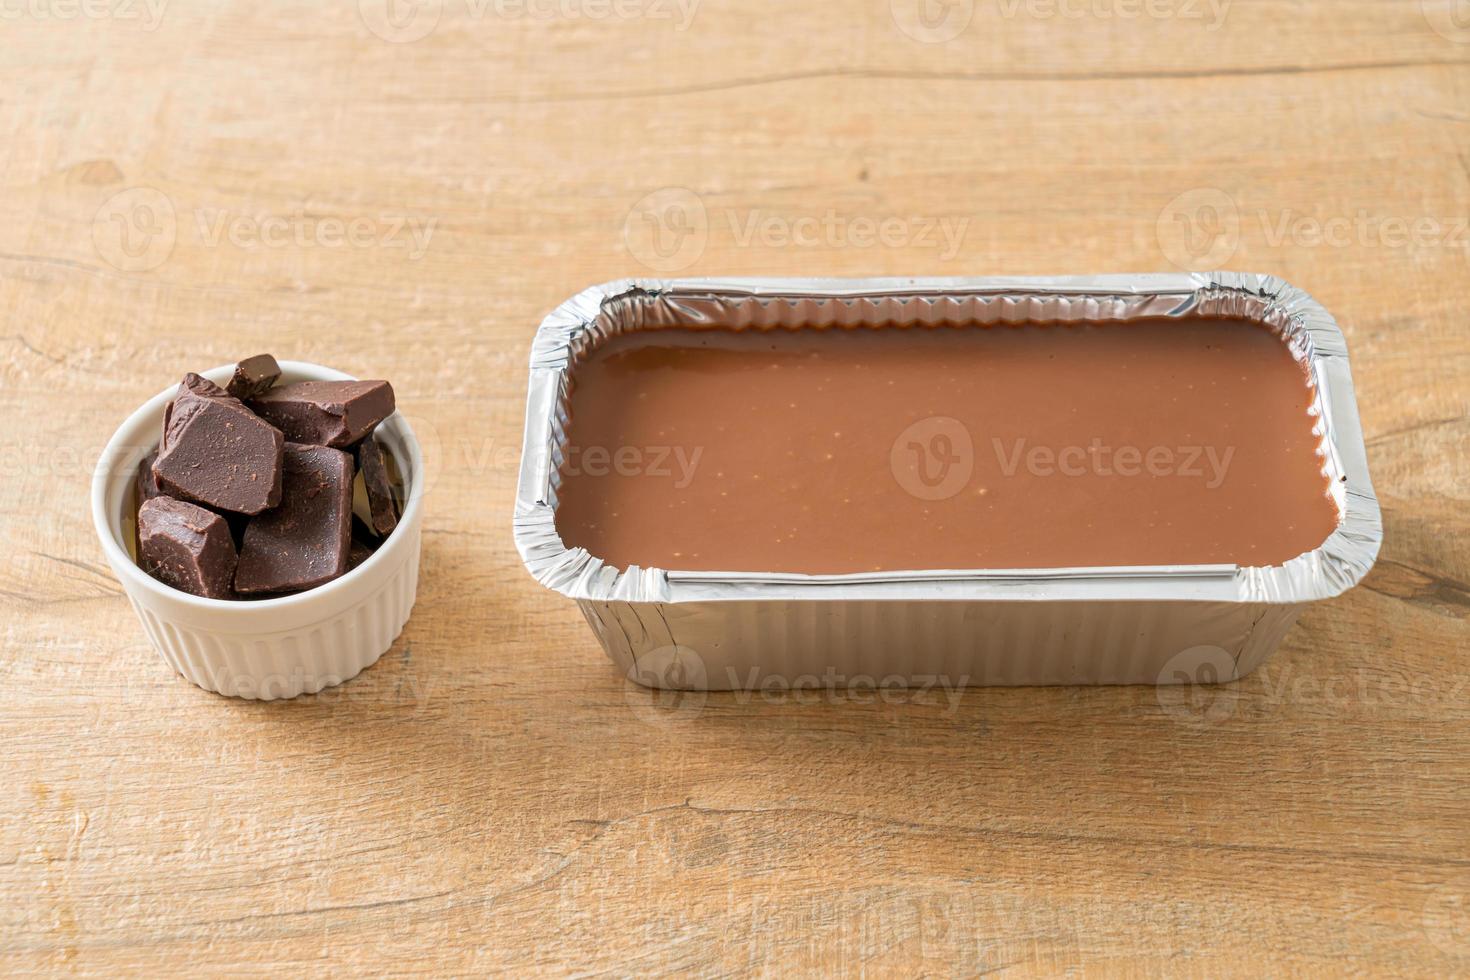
(264,519)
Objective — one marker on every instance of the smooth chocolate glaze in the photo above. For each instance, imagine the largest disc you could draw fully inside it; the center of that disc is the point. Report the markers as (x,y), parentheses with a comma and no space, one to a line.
(839,450)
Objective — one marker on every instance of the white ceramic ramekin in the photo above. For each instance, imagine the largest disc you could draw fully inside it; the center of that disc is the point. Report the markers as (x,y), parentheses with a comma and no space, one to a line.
(271,648)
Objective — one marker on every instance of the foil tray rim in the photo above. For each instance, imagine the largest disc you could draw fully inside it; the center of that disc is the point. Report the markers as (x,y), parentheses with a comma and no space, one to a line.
(1329,570)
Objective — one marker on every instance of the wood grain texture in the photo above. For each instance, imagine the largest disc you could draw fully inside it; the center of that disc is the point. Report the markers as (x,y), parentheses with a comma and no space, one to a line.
(492,796)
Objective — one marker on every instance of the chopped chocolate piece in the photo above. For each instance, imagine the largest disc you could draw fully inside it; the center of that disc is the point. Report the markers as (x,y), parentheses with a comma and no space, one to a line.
(147,486)
(200,385)
(304,542)
(193,386)
(362,531)
(216,452)
(357,553)
(254,376)
(364,543)
(186,547)
(326,413)
(379,489)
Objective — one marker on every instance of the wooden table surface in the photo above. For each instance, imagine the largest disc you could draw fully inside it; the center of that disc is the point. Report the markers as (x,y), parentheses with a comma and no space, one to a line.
(404,191)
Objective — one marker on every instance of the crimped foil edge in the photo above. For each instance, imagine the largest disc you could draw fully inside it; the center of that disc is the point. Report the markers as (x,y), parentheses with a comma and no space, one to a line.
(1310,331)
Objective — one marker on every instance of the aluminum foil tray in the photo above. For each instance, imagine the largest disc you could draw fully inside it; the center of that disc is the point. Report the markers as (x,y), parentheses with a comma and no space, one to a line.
(1107,625)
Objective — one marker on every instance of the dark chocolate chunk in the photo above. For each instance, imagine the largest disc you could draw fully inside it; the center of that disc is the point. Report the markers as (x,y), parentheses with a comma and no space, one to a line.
(216,452)
(186,547)
(147,487)
(303,542)
(357,553)
(326,413)
(379,489)
(364,543)
(193,386)
(254,376)
(199,385)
